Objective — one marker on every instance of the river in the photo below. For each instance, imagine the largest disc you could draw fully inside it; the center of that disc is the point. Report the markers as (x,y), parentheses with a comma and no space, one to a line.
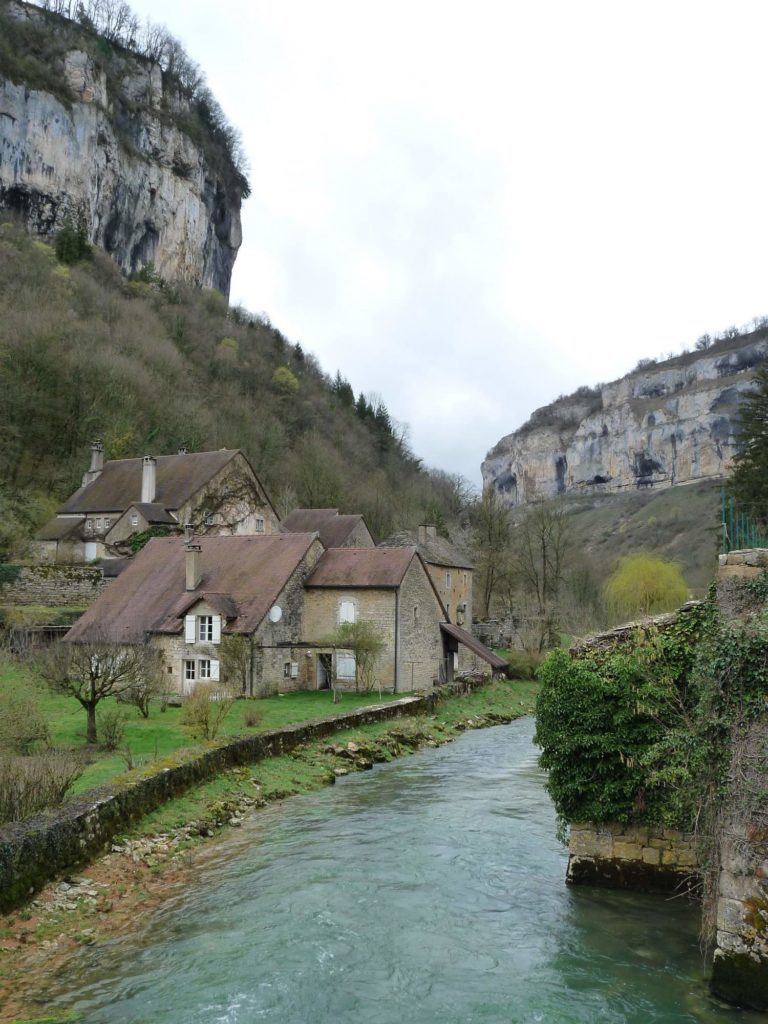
(429,890)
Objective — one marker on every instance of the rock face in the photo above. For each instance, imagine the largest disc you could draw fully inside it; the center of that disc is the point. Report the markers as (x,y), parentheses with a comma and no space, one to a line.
(666,424)
(116,155)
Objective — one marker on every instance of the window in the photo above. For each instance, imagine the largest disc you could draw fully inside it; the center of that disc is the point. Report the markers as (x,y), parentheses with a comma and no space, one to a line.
(465,579)
(287,670)
(189,671)
(205,628)
(98,524)
(347,611)
(448,609)
(259,524)
(134,520)
(448,580)
(415,615)
(89,526)
(209,519)
(204,667)
(345,665)
(107,523)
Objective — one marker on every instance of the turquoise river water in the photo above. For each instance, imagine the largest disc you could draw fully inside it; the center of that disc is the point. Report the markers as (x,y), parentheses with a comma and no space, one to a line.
(430,890)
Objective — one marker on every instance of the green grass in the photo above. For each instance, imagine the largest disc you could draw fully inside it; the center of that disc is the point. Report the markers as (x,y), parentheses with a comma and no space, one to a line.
(162,733)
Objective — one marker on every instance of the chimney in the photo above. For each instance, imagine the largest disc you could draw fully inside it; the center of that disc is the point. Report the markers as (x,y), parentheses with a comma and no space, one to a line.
(431,532)
(97,462)
(193,567)
(426,533)
(422,535)
(148,479)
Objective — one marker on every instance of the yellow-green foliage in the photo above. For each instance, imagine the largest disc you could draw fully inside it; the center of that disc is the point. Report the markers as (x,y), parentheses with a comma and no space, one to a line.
(645,585)
(284,381)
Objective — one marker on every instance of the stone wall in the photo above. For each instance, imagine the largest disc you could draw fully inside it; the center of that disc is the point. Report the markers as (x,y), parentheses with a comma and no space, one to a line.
(321,618)
(421,644)
(632,857)
(58,585)
(36,850)
(740,964)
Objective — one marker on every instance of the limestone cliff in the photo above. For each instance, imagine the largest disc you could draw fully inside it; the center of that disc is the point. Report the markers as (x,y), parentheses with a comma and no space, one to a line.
(664,424)
(111,141)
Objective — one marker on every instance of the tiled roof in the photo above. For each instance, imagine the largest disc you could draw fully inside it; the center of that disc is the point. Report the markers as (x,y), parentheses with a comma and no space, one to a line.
(334,529)
(248,571)
(474,645)
(362,567)
(178,478)
(435,550)
(154,512)
(59,527)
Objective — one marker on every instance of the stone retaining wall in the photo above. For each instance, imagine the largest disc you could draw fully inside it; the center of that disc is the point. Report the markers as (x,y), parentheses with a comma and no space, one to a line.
(740,964)
(632,857)
(57,585)
(36,850)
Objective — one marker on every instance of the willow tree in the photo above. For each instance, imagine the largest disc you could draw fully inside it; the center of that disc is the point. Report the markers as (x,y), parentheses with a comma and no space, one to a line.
(644,584)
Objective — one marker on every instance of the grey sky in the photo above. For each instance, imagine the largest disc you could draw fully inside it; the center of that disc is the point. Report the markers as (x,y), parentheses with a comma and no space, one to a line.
(471,208)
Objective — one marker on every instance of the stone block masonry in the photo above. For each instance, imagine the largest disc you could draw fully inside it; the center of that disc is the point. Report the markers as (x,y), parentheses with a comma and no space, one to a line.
(36,850)
(55,585)
(636,857)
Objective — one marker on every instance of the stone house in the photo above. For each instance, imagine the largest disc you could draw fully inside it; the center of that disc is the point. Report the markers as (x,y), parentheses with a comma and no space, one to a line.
(216,492)
(271,604)
(335,531)
(450,570)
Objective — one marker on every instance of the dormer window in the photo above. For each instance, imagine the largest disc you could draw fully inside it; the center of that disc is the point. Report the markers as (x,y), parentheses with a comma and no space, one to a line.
(209,518)
(205,628)
(259,524)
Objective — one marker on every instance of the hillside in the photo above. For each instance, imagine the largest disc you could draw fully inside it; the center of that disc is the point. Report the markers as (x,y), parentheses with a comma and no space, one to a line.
(666,423)
(110,124)
(86,353)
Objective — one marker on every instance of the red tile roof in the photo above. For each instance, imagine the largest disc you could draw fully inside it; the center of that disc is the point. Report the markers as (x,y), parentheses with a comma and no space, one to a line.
(245,574)
(178,478)
(334,529)
(362,567)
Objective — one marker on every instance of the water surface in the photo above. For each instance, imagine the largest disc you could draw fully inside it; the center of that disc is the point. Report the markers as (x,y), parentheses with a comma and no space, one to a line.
(429,890)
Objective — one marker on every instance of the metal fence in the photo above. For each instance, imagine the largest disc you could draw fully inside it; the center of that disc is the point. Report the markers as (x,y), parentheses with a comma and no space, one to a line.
(739,530)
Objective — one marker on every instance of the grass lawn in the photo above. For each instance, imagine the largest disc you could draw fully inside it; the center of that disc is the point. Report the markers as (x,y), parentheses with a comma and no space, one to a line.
(162,733)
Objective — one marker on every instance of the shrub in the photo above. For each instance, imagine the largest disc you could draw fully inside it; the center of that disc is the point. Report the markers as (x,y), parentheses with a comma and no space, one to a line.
(30,784)
(205,710)
(22,724)
(521,665)
(71,244)
(111,727)
(252,718)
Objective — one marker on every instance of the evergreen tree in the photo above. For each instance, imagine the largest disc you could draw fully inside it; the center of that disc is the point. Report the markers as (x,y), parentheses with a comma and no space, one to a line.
(749,483)
(71,244)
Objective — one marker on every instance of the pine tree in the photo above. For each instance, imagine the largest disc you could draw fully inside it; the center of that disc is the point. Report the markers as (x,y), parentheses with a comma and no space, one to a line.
(749,483)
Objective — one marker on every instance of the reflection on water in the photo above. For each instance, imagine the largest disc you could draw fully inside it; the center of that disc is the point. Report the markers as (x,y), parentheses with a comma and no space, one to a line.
(428,890)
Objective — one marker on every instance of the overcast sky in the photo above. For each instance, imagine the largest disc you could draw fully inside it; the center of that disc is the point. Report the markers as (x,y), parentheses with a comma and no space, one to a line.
(471,208)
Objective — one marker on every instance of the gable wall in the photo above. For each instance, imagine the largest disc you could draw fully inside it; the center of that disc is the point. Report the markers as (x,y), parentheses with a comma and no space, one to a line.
(237,514)
(460,591)
(360,537)
(421,645)
(321,618)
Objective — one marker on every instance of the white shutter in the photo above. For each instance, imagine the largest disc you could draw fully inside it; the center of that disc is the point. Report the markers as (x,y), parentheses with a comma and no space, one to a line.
(347,611)
(294,670)
(189,629)
(214,669)
(216,638)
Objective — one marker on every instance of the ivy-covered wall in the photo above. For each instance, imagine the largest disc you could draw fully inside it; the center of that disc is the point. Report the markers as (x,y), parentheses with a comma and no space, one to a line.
(62,585)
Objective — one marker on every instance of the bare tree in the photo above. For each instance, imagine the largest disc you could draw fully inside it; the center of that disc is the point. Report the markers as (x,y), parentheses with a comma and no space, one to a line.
(91,671)
(236,656)
(539,557)
(492,539)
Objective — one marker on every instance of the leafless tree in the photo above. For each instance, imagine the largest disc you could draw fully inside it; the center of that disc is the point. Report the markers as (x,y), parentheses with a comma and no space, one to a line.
(91,671)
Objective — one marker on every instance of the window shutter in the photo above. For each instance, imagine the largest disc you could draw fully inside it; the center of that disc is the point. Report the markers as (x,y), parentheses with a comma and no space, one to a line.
(189,629)
(214,669)
(216,638)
